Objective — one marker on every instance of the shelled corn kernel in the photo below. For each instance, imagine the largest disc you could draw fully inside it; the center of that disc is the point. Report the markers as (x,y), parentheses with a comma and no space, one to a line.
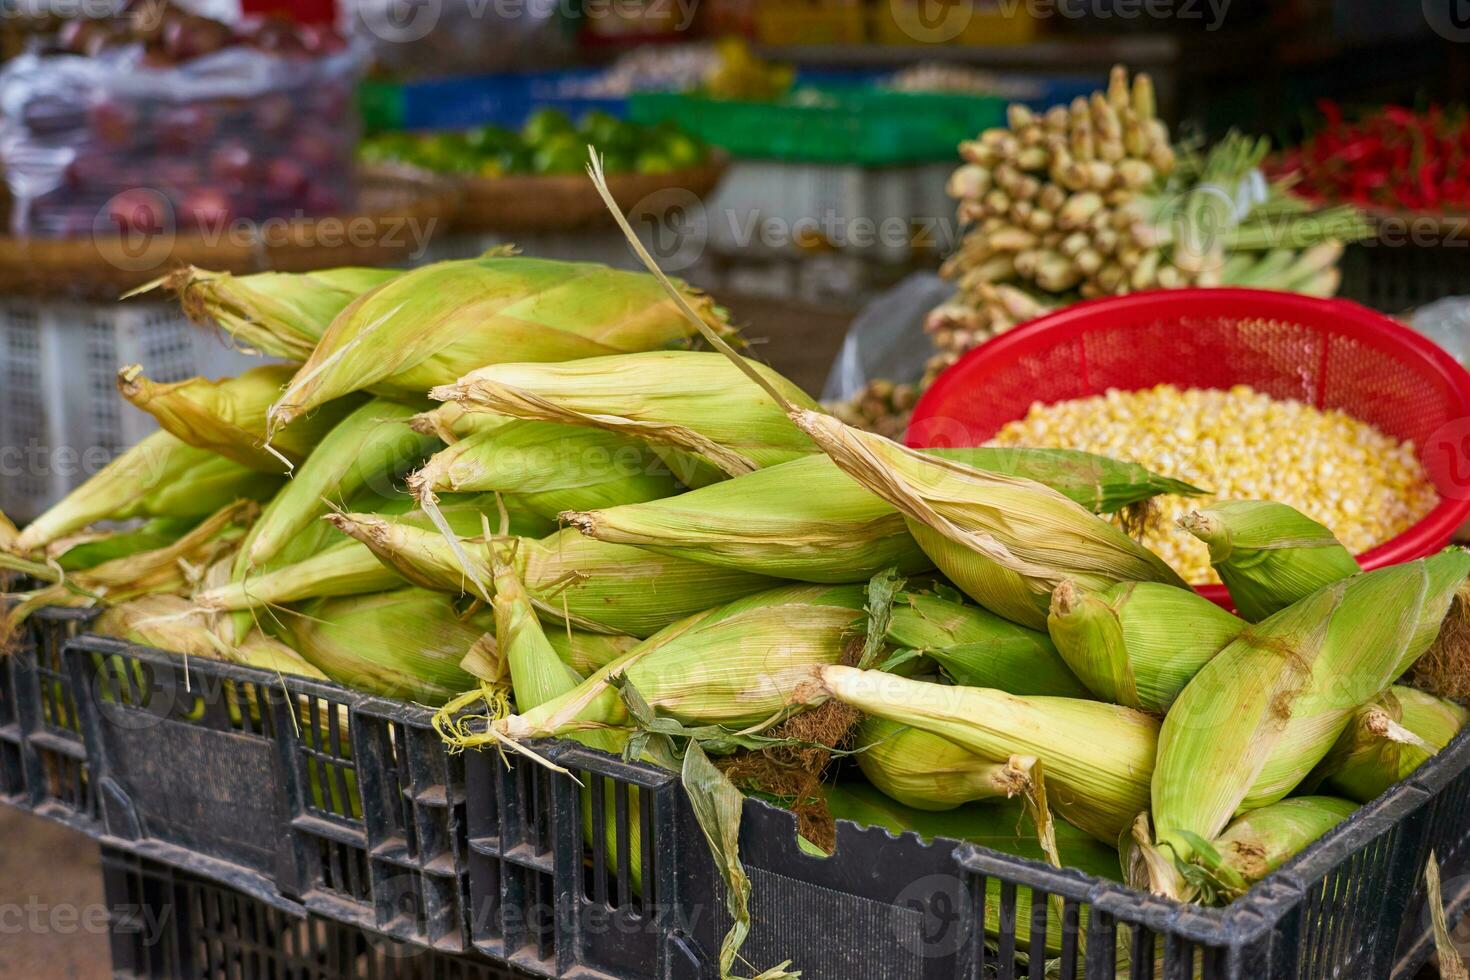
(1238,443)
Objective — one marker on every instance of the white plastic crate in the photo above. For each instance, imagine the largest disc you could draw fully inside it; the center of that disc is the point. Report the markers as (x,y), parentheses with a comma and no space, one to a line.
(769,207)
(61,418)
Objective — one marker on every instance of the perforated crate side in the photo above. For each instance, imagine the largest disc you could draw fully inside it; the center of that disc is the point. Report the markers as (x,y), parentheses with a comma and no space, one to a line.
(45,737)
(169,924)
(292,790)
(598,871)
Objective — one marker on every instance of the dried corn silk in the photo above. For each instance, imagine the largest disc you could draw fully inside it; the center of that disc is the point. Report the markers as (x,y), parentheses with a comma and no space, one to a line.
(1240,444)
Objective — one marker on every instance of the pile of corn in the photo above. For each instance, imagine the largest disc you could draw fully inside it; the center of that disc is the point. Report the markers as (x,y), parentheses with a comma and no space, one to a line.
(504,477)
(1093,199)
(1241,444)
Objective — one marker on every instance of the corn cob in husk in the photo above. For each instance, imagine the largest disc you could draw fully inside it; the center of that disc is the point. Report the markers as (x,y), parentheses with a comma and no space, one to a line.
(587,653)
(1007,542)
(434,324)
(120,490)
(408,643)
(1385,742)
(736,665)
(1138,643)
(1268,555)
(211,483)
(228,416)
(1256,844)
(278,314)
(88,549)
(551,467)
(603,588)
(694,407)
(832,529)
(977,648)
(450,422)
(173,568)
(1000,826)
(342,566)
(1258,717)
(927,772)
(1097,757)
(368,448)
(167,622)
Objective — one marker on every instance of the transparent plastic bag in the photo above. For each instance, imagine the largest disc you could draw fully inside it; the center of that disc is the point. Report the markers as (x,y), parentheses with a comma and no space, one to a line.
(108,142)
(887,338)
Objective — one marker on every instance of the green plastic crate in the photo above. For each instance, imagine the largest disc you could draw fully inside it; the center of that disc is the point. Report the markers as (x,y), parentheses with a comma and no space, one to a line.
(830,125)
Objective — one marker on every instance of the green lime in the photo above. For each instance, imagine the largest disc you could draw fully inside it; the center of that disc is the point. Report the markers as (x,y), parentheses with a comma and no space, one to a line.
(543,124)
(653,161)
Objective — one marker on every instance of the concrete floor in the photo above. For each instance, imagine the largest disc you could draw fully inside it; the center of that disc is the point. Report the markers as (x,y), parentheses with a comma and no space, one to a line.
(53,920)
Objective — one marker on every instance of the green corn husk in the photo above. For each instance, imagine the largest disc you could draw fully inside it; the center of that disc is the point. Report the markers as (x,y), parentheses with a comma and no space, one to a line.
(926,772)
(174,568)
(977,648)
(278,314)
(157,461)
(1258,843)
(587,653)
(1005,541)
(450,422)
(1097,757)
(368,448)
(551,467)
(408,643)
(833,530)
(344,566)
(8,533)
(1258,717)
(694,407)
(86,550)
(602,588)
(1138,643)
(1385,742)
(168,622)
(228,416)
(1002,827)
(209,484)
(736,665)
(437,323)
(1268,555)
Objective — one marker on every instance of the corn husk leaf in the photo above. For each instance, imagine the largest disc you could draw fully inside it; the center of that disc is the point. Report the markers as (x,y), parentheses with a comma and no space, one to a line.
(85,550)
(369,448)
(1098,757)
(436,323)
(1263,712)
(344,566)
(119,489)
(450,422)
(603,588)
(278,314)
(551,467)
(1385,742)
(693,406)
(1138,643)
(767,645)
(228,416)
(1268,555)
(976,648)
(406,644)
(834,530)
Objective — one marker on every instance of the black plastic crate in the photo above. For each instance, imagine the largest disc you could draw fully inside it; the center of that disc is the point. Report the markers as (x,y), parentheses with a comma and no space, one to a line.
(1397,275)
(378,827)
(293,791)
(43,759)
(169,924)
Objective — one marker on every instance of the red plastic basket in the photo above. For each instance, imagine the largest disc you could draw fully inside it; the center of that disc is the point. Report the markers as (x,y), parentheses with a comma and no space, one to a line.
(1327,353)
